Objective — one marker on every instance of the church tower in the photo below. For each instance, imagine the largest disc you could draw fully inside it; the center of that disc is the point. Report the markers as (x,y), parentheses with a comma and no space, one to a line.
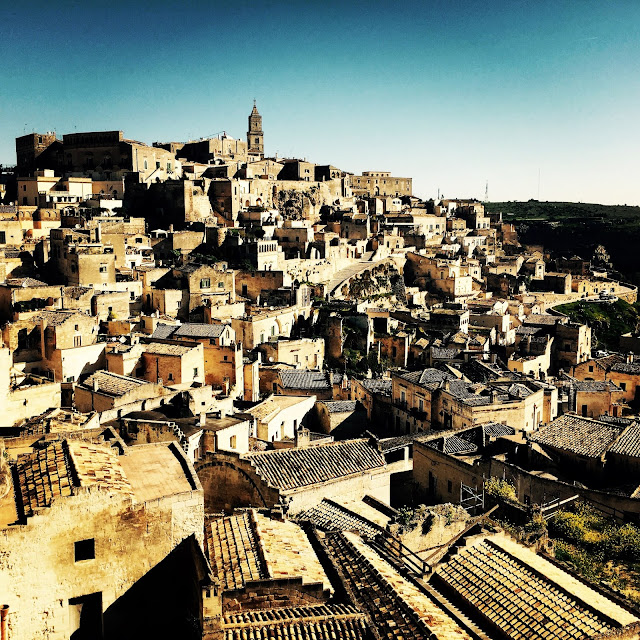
(255,136)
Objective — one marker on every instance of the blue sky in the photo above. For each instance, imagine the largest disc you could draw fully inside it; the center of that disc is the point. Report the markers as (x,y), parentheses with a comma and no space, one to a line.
(538,98)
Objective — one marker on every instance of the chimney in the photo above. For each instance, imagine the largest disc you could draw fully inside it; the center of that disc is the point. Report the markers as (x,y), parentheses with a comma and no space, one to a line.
(170,228)
(95,385)
(303,438)
(630,357)
(203,419)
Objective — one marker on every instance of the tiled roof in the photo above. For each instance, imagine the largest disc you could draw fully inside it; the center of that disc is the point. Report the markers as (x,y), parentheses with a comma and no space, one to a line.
(293,468)
(452,444)
(249,546)
(304,379)
(200,330)
(288,552)
(399,442)
(76,292)
(331,516)
(43,476)
(26,282)
(189,330)
(98,466)
(519,391)
(444,353)
(495,429)
(429,378)
(396,607)
(627,367)
(318,622)
(583,436)
(112,383)
(54,318)
(628,444)
(340,406)
(594,386)
(162,349)
(373,385)
(511,596)
(606,362)
(53,472)
(233,550)
(163,331)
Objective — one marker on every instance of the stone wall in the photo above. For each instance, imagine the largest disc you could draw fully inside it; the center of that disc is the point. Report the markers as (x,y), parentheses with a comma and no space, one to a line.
(38,572)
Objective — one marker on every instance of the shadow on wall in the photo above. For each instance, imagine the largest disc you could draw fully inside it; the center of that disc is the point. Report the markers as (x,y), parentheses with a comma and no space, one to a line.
(164,603)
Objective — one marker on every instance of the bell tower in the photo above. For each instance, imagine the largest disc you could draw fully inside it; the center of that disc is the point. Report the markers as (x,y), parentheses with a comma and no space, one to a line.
(255,135)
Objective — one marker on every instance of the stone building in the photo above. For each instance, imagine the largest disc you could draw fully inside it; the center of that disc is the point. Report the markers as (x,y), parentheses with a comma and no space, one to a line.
(380,183)
(255,134)
(279,417)
(343,415)
(81,259)
(295,478)
(176,363)
(300,352)
(104,391)
(87,533)
(223,365)
(433,399)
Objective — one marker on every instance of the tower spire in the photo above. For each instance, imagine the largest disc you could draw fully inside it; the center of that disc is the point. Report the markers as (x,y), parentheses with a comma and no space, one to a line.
(255,135)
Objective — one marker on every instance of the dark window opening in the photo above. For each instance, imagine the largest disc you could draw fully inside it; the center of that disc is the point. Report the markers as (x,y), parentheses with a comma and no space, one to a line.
(85,549)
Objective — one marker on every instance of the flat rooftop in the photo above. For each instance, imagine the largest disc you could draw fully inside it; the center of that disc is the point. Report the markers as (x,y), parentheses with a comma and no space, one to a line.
(157,470)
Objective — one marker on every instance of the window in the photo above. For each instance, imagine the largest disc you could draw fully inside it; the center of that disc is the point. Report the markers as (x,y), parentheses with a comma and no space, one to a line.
(195,372)
(205,283)
(225,358)
(138,240)
(168,166)
(3,237)
(146,164)
(232,442)
(77,341)
(170,377)
(623,386)
(590,368)
(584,410)
(220,285)
(449,486)
(103,268)
(85,549)
(157,165)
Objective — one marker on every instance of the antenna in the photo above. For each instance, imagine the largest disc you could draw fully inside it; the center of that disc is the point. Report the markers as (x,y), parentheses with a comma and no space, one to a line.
(486,192)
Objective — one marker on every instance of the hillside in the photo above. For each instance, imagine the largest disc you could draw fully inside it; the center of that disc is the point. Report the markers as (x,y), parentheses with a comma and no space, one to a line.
(578,211)
(607,321)
(568,228)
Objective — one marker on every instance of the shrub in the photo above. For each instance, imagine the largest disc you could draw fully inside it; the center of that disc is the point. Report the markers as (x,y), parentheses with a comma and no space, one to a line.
(499,488)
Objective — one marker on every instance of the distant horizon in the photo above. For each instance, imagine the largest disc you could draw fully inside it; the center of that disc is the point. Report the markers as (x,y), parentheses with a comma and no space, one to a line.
(537,99)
